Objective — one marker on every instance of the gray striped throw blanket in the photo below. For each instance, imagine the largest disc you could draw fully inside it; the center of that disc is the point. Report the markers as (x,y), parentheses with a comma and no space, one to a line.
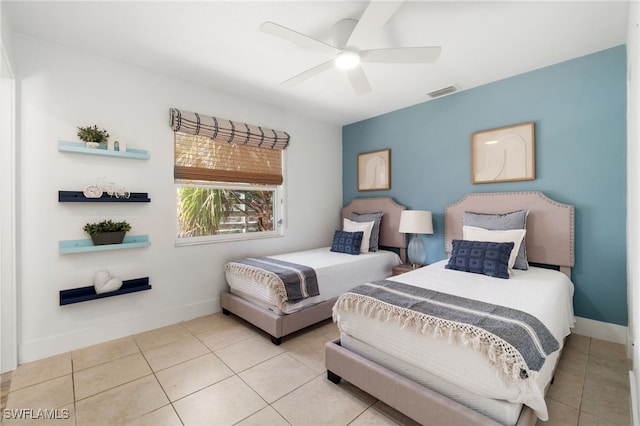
(291,282)
(515,342)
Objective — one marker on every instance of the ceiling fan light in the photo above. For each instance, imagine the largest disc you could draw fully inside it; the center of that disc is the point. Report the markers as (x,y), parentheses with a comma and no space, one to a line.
(347,59)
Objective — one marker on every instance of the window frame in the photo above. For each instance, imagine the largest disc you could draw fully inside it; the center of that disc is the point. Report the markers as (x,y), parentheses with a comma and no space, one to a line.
(278,212)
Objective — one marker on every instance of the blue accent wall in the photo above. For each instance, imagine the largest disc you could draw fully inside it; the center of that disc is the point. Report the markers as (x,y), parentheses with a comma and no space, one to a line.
(579,110)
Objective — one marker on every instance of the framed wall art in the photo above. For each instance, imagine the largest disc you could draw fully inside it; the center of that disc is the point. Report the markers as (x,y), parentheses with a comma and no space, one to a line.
(374,170)
(504,154)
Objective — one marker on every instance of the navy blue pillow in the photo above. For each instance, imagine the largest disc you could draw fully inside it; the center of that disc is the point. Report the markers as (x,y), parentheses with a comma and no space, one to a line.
(347,242)
(481,257)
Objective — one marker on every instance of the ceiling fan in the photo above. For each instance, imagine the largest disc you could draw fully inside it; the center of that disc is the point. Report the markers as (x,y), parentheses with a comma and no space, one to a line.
(347,35)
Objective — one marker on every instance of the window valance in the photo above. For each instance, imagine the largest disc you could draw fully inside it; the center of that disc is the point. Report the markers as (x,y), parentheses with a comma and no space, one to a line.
(223,130)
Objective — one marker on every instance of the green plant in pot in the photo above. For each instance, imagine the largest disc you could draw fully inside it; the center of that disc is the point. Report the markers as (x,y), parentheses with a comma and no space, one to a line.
(107,232)
(93,136)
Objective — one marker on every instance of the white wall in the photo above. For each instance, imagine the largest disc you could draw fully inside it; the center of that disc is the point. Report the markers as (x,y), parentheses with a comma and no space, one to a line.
(633,199)
(60,89)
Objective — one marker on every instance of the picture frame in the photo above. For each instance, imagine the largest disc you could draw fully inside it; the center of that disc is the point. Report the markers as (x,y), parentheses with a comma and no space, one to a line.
(504,154)
(374,170)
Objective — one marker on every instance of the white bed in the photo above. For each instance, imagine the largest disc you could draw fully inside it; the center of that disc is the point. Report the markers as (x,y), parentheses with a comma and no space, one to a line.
(440,380)
(336,272)
(544,293)
(255,301)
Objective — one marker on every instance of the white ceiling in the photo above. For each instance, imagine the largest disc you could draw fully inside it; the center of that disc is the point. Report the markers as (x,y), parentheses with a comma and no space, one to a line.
(219,44)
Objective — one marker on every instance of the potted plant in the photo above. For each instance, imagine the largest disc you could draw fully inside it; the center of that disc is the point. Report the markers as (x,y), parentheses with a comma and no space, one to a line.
(93,136)
(107,232)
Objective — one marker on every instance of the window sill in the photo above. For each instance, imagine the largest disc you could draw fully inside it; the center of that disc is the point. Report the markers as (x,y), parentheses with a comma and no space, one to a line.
(224,239)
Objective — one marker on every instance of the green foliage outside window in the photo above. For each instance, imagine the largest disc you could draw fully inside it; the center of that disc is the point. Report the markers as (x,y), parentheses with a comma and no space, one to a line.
(206,211)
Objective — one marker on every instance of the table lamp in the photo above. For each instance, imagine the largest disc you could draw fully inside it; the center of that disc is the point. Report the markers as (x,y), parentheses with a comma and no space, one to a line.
(416,222)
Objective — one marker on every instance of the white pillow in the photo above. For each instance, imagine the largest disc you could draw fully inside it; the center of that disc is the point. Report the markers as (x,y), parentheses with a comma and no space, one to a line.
(471,233)
(365,227)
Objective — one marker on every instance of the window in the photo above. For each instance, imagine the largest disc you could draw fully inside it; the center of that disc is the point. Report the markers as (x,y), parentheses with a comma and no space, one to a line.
(218,212)
(228,179)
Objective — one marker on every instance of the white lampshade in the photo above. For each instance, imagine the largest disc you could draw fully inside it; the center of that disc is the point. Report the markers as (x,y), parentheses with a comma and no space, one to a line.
(416,222)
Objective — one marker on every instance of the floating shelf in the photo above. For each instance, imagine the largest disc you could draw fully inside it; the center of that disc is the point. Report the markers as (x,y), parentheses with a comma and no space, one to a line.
(78,197)
(84,246)
(82,294)
(81,148)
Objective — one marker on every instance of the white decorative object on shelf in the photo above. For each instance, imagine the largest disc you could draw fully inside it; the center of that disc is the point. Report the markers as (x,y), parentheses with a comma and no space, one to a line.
(117,191)
(92,191)
(100,278)
(93,145)
(113,284)
(103,282)
(117,144)
(99,187)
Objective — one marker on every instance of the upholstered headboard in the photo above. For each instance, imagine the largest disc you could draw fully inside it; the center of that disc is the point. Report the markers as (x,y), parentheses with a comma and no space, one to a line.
(389,234)
(550,225)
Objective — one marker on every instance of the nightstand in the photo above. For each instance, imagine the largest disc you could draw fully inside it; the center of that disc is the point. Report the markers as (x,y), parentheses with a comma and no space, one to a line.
(401,269)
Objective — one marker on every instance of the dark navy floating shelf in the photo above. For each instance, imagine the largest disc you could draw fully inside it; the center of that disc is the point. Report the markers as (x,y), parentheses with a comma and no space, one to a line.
(83,294)
(78,197)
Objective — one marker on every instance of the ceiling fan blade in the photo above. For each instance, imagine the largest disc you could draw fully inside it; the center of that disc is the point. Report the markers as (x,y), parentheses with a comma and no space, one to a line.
(409,55)
(359,80)
(374,17)
(308,73)
(342,31)
(296,37)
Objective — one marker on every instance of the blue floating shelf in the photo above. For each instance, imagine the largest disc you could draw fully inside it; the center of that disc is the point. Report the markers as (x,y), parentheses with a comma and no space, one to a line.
(83,294)
(84,246)
(81,148)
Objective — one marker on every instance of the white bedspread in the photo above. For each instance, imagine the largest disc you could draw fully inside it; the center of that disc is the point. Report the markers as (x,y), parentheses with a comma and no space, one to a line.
(336,273)
(544,293)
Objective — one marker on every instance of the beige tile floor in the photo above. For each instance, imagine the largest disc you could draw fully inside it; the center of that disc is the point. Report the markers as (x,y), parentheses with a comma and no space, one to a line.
(218,370)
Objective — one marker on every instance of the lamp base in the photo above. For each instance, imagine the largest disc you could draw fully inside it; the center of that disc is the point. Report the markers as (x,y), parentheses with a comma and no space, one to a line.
(416,251)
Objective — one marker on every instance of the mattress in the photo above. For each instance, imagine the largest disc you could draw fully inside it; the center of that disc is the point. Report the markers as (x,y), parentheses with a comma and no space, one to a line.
(336,273)
(543,293)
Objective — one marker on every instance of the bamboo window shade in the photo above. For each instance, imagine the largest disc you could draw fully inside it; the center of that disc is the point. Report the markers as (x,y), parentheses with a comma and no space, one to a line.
(214,149)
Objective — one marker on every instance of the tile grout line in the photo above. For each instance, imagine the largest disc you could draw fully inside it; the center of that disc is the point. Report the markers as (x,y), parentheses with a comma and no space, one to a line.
(237,374)
(158,381)
(584,382)
(5,385)
(73,389)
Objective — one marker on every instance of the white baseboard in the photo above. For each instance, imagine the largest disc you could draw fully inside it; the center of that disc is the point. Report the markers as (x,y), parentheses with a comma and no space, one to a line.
(601,330)
(77,339)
